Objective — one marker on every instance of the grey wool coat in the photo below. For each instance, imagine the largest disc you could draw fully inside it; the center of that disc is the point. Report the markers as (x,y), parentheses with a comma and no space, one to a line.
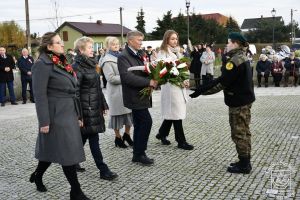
(114,87)
(55,99)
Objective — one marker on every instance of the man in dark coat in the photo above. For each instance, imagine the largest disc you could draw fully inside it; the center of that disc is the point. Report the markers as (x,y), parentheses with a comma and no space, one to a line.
(292,66)
(236,82)
(25,63)
(7,64)
(132,83)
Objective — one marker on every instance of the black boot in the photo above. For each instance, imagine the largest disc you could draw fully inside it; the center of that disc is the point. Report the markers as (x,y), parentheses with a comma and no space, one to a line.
(74,195)
(120,143)
(37,179)
(164,140)
(37,176)
(71,175)
(127,138)
(243,166)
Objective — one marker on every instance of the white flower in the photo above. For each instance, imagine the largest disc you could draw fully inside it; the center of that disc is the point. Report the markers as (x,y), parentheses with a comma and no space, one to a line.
(182,65)
(174,71)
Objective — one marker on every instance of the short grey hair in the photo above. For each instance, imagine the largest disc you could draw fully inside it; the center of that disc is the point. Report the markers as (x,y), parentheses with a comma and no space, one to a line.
(132,34)
(110,40)
(80,43)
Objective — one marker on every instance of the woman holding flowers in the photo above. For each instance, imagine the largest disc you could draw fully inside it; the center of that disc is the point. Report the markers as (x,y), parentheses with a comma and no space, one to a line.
(59,140)
(173,97)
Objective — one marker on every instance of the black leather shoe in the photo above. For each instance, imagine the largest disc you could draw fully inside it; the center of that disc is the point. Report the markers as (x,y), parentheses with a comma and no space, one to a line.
(39,184)
(109,175)
(32,101)
(2,104)
(143,159)
(24,102)
(14,103)
(185,146)
(163,140)
(78,196)
(79,168)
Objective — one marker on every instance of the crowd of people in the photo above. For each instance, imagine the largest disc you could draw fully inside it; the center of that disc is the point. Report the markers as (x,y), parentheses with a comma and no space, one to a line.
(70,103)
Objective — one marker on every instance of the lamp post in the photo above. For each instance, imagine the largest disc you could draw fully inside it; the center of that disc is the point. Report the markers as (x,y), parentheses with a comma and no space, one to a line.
(187,4)
(273,12)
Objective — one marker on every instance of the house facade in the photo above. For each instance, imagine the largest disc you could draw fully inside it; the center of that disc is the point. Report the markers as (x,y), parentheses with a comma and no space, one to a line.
(70,31)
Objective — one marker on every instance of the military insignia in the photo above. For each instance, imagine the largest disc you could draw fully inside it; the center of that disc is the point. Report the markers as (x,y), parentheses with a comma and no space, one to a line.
(229,66)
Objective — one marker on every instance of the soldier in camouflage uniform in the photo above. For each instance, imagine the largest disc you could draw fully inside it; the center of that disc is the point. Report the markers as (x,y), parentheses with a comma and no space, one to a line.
(236,82)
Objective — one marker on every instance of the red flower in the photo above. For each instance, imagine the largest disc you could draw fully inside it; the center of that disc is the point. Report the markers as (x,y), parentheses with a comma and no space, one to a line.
(69,68)
(55,60)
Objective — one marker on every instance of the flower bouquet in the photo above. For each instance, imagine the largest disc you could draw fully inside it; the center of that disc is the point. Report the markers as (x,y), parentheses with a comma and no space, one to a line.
(164,71)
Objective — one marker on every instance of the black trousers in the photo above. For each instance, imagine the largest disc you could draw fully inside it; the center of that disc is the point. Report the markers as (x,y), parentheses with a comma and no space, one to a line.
(96,151)
(197,79)
(266,76)
(24,88)
(142,123)
(277,78)
(165,128)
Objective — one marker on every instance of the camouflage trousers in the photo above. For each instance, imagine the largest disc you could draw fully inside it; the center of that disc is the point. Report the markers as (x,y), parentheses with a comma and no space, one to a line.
(239,119)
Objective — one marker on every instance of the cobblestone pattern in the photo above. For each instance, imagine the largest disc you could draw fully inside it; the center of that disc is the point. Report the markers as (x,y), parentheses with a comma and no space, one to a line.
(177,174)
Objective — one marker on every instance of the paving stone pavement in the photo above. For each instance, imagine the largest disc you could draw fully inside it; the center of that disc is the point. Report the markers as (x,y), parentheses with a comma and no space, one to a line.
(177,174)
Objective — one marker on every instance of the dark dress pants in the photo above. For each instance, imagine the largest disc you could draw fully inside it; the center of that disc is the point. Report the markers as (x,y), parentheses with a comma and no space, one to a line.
(10,86)
(165,128)
(142,123)
(24,88)
(95,150)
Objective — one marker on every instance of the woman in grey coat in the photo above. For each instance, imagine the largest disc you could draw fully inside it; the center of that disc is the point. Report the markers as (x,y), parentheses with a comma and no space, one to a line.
(119,114)
(59,140)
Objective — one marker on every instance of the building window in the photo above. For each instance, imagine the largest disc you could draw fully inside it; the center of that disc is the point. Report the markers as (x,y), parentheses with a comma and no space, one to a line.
(65,36)
(98,45)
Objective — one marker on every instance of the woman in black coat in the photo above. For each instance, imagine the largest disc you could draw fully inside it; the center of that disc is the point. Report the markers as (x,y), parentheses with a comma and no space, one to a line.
(59,140)
(196,63)
(92,101)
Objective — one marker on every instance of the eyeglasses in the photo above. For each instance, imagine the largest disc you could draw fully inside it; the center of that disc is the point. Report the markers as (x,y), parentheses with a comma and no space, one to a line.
(59,42)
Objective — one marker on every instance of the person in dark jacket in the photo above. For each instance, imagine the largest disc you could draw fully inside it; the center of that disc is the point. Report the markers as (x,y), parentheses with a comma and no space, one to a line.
(277,70)
(263,69)
(25,63)
(7,64)
(196,64)
(59,140)
(292,66)
(132,83)
(93,103)
(236,82)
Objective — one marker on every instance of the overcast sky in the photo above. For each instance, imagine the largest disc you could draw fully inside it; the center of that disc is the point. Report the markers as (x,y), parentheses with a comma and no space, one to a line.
(108,11)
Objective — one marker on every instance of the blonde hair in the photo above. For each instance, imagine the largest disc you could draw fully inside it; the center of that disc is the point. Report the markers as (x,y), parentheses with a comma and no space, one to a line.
(80,43)
(166,38)
(109,41)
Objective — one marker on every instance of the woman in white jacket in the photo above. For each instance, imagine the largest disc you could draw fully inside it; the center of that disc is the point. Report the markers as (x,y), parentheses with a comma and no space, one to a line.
(207,70)
(173,98)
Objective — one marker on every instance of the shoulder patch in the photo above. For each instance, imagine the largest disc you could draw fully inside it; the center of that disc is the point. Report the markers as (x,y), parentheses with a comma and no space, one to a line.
(229,66)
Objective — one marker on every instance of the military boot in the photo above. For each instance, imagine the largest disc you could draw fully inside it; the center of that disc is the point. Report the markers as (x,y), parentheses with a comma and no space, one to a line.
(243,166)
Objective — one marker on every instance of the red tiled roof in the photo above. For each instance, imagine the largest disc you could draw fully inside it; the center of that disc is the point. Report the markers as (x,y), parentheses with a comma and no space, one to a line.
(221,19)
(98,28)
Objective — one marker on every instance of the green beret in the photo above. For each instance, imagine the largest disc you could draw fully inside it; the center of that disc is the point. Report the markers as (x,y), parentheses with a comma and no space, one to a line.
(237,36)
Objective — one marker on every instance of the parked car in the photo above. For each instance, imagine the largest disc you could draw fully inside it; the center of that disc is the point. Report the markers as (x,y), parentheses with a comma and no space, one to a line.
(295,46)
